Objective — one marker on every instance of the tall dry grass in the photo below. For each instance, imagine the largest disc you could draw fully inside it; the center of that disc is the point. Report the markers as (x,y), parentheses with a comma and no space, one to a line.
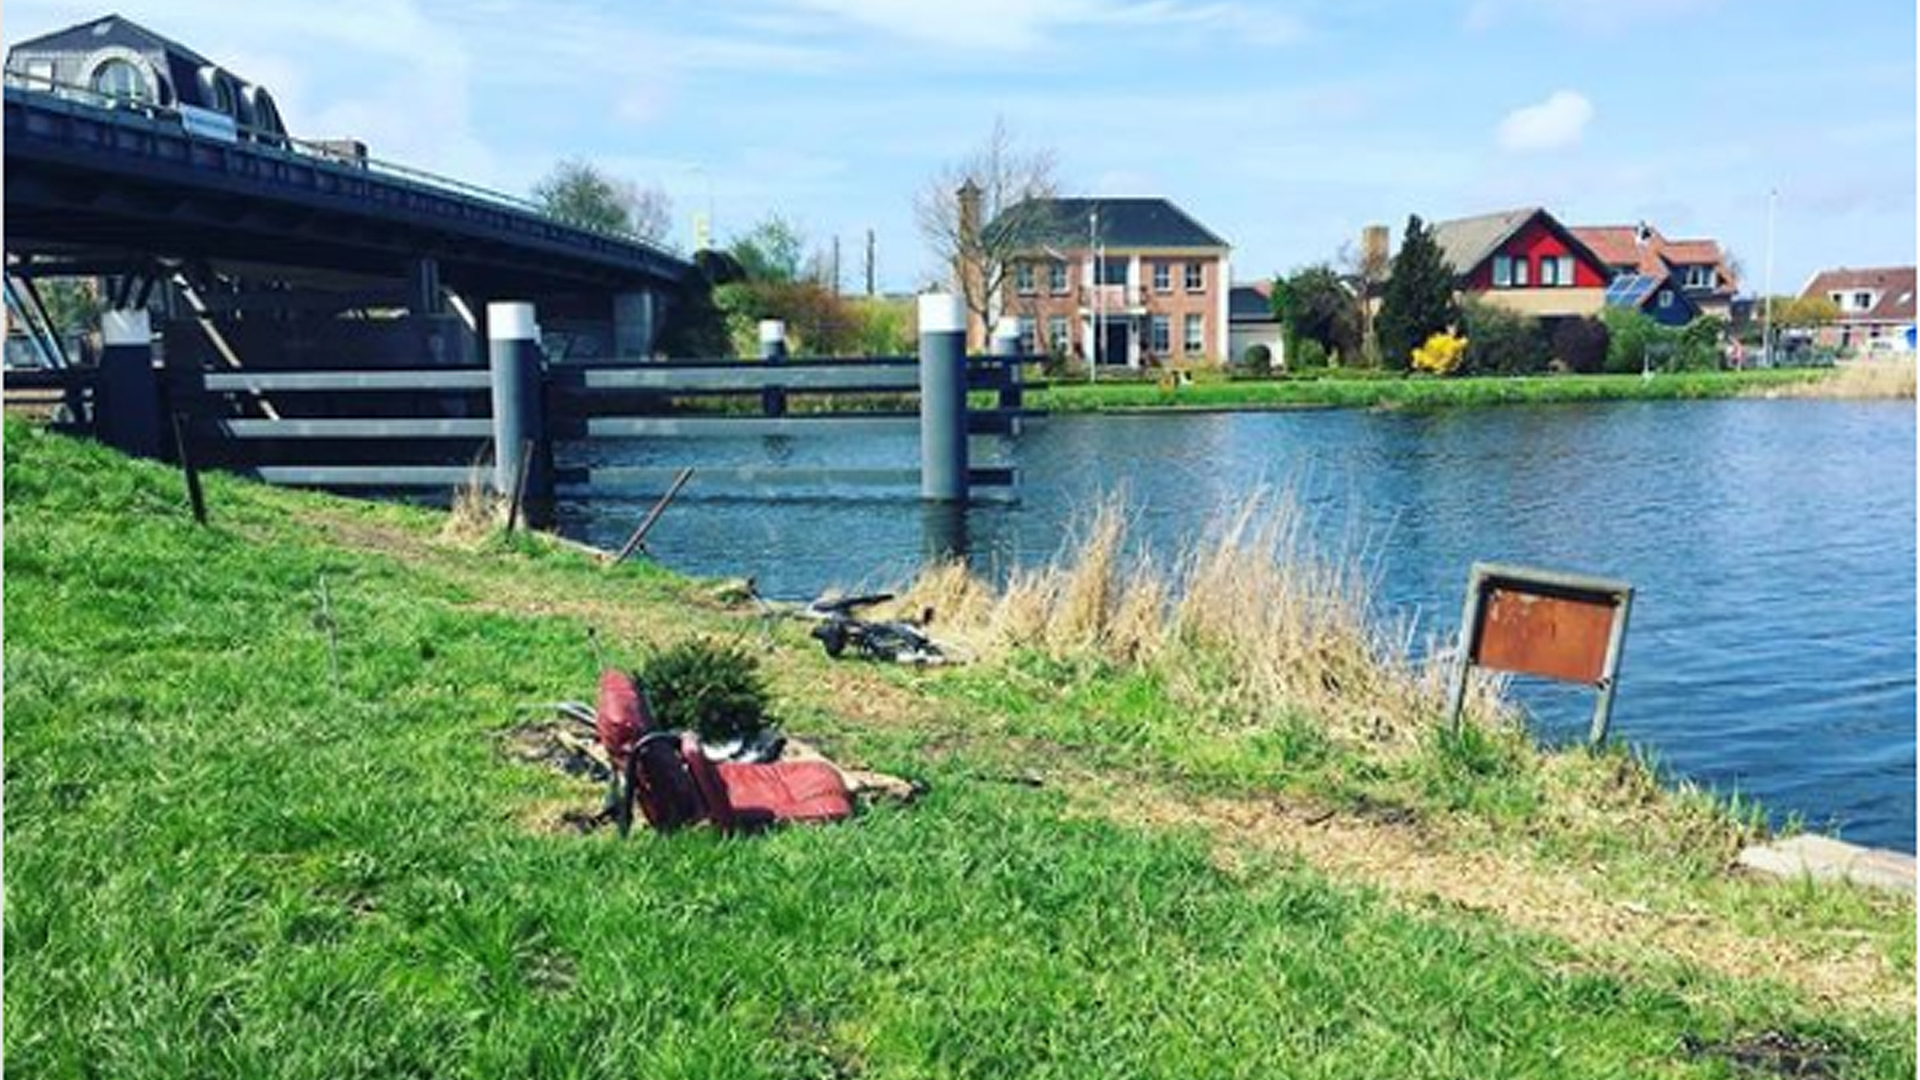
(1865,379)
(476,512)
(1247,623)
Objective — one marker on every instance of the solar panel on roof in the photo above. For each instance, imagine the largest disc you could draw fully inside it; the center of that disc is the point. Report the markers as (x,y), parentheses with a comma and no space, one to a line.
(1631,290)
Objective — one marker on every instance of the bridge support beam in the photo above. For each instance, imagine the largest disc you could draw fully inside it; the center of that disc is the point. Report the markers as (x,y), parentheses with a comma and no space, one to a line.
(519,411)
(423,287)
(127,407)
(943,398)
(635,317)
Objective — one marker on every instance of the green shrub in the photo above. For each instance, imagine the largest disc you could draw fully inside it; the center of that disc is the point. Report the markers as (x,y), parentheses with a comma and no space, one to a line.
(1632,337)
(1310,355)
(1258,361)
(1698,347)
(1501,341)
(1581,344)
(712,687)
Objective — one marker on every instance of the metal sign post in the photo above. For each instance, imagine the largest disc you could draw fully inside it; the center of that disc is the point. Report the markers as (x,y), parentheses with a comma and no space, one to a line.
(1539,622)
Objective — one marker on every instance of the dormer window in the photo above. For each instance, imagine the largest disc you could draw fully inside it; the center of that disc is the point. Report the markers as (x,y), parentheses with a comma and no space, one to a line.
(1862,301)
(1701,277)
(121,80)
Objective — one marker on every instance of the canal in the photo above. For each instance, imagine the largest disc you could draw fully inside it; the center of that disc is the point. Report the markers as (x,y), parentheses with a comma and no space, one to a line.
(1772,544)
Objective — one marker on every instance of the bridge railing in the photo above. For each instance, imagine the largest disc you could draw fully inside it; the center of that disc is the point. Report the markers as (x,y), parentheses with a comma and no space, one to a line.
(279,141)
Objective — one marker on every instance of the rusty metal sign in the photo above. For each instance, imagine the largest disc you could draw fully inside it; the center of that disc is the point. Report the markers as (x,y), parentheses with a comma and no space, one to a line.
(1539,622)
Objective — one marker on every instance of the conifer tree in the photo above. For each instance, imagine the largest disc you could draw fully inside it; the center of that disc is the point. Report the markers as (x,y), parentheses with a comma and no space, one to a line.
(1418,301)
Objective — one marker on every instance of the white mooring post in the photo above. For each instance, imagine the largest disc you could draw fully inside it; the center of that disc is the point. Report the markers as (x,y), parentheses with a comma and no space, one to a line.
(773,352)
(127,414)
(943,398)
(519,416)
(1006,337)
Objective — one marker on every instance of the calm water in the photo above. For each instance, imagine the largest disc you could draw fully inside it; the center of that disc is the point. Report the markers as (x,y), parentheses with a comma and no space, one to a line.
(1771,543)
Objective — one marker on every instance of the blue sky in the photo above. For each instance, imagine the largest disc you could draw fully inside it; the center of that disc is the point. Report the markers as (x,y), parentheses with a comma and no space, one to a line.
(1285,127)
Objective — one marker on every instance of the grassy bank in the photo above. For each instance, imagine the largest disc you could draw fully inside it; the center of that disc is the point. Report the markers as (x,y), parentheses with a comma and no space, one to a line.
(225,860)
(1334,391)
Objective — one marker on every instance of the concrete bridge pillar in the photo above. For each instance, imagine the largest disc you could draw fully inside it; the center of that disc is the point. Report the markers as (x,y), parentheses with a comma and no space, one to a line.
(635,315)
(943,398)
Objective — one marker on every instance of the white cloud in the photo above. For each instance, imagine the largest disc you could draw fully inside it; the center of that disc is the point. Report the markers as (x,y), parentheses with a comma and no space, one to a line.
(1552,124)
(1024,24)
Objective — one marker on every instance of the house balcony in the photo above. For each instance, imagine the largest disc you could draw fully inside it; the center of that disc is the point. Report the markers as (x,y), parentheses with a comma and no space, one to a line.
(1114,299)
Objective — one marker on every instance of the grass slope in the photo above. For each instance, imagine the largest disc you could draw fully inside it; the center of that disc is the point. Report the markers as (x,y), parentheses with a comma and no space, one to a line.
(224,864)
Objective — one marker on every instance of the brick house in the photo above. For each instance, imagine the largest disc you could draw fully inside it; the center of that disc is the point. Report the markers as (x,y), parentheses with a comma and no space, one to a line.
(1697,267)
(1875,305)
(1140,273)
(1526,261)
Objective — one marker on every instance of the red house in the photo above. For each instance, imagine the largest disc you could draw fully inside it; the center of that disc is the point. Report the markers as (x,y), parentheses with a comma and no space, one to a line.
(1526,261)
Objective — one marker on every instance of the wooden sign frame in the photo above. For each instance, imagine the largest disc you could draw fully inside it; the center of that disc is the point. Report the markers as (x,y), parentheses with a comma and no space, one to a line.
(1524,621)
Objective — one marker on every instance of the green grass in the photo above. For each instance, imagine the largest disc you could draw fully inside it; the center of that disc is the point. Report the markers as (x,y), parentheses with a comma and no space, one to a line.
(223,864)
(1364,392)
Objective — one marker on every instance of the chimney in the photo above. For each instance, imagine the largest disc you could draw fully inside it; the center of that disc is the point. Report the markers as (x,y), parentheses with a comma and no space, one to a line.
(969,275)
(1375,242)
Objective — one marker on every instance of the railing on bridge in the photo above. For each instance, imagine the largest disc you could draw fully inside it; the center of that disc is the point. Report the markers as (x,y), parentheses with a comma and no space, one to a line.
(441,428)
(305,150)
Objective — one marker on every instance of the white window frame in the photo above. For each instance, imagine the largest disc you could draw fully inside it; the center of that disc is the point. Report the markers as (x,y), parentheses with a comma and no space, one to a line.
(1862,300)
(1057,333)
(1520,265)
(1194,277)
(1162,276)
(1566,271)
(1160,334)
(1029,335)
(1193,334)
(1503,271)
(1549,272)
(1057,277)
(1666,298)
(1023,278)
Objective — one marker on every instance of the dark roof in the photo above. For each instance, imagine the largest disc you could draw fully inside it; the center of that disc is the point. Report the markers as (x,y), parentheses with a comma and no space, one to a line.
(1251,303)
(1895,284)
(1123,222)
(1466,242)
(109,29)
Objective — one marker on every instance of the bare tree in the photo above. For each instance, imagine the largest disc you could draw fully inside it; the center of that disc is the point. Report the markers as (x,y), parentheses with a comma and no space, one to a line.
(1367,266)
(650,214)
(976,233)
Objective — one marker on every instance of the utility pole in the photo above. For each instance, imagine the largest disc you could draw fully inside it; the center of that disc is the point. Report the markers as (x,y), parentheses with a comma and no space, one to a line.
(836,265)
(1093,258)
(869,262)
(1766,318)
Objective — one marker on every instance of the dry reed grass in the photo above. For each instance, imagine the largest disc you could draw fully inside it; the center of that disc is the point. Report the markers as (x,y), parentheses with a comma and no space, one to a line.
(1248,624)
(475,513)
(1867,379)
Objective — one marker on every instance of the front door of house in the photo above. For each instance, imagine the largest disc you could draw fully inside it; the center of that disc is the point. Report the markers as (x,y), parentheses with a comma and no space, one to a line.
(1115,340)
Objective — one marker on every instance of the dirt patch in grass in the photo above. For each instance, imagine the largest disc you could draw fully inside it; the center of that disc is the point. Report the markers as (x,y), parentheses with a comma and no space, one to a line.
(1412,862)
(1770,1054)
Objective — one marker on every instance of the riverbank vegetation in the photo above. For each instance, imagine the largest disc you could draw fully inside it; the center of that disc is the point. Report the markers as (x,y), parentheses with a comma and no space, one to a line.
(1363,389)
(1200,822)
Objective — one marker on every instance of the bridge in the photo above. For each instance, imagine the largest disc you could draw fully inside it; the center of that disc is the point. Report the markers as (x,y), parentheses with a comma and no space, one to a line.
(141,194)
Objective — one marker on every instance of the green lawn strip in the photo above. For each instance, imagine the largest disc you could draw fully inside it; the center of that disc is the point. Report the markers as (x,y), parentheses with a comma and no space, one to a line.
(1354,392)
(223,864)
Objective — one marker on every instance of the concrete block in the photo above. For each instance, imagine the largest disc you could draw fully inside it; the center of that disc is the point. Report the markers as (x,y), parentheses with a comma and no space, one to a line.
(1826,859)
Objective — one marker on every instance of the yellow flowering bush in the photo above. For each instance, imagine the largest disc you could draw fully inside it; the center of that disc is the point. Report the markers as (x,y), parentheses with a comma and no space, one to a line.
(1441,355)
